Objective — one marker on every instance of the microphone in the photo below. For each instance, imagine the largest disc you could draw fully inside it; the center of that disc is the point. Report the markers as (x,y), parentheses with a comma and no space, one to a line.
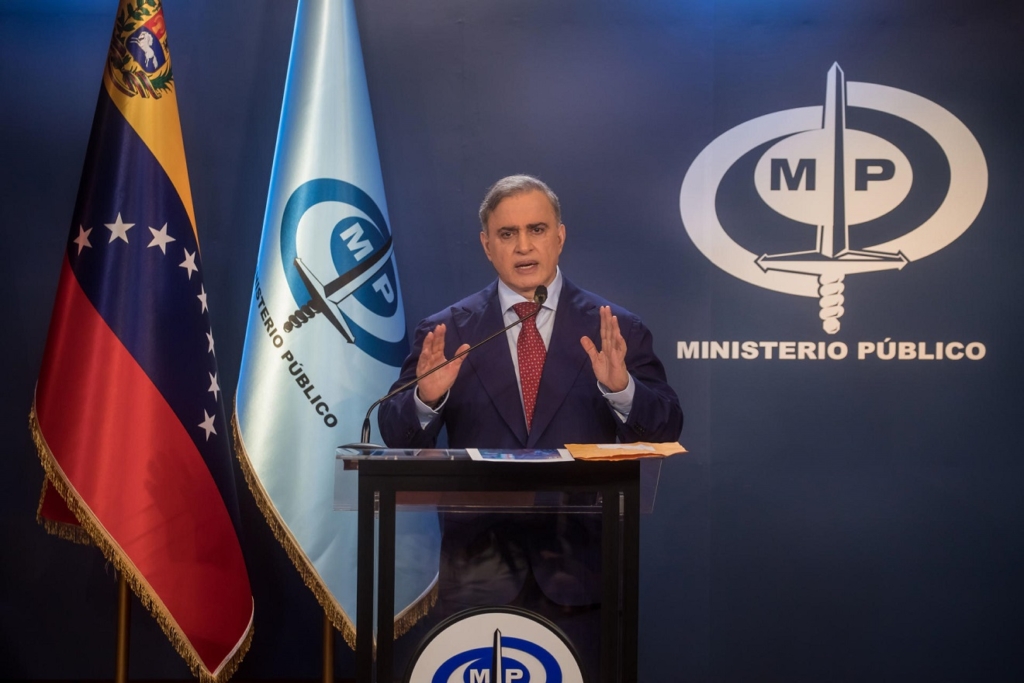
(540,295)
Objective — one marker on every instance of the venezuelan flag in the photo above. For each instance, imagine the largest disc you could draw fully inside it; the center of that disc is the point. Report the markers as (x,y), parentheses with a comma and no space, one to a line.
(128,415)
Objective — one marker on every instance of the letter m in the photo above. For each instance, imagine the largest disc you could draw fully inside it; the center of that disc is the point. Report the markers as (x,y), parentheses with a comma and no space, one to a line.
(687,350)
(804,168)
(477,676)
(359,247)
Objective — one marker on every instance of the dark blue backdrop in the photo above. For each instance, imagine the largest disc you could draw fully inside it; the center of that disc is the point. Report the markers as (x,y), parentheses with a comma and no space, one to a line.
(835,521)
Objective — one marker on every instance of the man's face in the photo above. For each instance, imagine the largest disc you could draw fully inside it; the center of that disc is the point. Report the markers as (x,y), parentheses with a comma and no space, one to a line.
(523,240)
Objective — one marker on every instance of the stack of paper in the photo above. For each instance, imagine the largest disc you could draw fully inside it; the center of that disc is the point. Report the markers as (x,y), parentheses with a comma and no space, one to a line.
(623,451)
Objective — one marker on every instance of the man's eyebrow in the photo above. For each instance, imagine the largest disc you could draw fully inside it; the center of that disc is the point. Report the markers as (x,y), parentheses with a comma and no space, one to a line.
(541,224)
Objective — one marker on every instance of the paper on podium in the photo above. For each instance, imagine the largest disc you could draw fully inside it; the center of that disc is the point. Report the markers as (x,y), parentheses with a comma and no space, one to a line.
(623,451)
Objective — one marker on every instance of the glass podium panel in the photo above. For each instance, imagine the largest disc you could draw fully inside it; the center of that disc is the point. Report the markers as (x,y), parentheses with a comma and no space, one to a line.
(559,539)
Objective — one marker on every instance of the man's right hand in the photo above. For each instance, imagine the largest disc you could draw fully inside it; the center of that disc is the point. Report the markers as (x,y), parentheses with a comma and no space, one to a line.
(432,389)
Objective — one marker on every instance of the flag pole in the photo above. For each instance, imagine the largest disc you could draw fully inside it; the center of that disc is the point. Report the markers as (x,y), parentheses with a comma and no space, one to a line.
(328,675)
(124,620)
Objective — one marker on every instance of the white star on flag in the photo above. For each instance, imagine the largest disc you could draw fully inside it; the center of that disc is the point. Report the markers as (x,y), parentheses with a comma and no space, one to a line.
(119,229)
(209,337)
(202,297)
(189,264)
(214,387)
(207,424)
(83,238)
(160,239)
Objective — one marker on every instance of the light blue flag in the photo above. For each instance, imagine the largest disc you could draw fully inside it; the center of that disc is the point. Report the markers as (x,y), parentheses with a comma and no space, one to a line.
(326,332)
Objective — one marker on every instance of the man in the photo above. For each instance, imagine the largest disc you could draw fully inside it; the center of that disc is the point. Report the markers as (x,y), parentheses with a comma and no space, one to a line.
(621,394)
(582,371)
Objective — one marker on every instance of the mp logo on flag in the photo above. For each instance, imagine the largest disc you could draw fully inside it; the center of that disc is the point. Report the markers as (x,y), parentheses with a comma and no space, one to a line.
(336,251)
(873,180)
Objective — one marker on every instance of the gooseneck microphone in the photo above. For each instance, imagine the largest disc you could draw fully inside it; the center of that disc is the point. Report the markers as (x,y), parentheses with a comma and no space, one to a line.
(540,295)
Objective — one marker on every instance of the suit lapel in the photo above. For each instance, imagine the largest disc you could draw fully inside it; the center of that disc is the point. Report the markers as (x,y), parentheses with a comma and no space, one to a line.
(565,358)
(492,362)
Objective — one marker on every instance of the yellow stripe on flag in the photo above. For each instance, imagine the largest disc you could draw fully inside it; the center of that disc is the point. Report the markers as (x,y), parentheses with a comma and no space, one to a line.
(156,122)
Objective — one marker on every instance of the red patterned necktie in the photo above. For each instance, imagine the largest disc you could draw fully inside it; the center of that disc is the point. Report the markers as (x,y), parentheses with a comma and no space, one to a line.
(531,351)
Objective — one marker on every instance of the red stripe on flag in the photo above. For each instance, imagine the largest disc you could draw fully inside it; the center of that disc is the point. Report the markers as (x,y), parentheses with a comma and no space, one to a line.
(134,465)
(55,509)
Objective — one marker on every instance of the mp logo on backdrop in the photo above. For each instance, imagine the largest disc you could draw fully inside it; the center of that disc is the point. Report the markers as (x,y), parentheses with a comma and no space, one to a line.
(874,180)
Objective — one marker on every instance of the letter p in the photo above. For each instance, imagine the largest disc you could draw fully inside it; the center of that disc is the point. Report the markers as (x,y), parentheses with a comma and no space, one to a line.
(383,286)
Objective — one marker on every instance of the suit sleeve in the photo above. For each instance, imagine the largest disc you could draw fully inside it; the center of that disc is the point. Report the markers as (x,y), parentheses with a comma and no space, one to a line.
(655,415)
(397,418)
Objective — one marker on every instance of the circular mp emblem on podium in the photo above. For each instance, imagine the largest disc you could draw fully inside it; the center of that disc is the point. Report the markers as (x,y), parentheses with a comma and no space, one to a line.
(495,645)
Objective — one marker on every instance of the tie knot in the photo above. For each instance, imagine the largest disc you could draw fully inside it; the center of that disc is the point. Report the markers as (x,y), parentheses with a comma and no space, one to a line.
(525,308)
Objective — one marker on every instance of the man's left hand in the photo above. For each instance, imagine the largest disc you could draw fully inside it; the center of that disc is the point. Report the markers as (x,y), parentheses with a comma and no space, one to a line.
(610,362)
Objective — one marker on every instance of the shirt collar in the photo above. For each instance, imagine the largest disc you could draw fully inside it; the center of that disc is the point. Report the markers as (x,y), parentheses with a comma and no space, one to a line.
(508,298)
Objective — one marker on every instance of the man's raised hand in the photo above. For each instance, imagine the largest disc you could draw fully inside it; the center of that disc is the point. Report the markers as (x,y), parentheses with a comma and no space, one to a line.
(610,362)
(431,389)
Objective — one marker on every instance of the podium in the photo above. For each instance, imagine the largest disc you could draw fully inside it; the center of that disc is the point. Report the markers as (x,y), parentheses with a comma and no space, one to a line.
(446,480)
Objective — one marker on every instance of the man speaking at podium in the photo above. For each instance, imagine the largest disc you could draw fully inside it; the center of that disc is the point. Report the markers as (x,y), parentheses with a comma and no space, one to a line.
(581,371)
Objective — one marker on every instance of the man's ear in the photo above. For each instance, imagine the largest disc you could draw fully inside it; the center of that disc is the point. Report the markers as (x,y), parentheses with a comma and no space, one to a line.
(485,242)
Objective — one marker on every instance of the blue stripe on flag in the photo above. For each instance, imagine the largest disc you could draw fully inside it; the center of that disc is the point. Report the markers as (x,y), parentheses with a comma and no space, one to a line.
(160,323)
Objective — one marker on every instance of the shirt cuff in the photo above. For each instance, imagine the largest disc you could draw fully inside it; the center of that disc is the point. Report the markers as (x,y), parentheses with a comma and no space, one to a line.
(620,401)
(426,414)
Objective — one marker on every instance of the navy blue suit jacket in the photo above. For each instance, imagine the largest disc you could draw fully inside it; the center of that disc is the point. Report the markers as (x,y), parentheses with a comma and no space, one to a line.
(484,409)
(487,557)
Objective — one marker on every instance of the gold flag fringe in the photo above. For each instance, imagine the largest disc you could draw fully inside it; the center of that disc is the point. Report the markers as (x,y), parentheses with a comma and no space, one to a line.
(416,611)
(306,570)
(69,532)
(310,576)
(112,552)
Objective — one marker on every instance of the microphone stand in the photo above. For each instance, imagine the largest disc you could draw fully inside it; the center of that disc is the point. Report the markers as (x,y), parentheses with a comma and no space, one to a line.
(540,295)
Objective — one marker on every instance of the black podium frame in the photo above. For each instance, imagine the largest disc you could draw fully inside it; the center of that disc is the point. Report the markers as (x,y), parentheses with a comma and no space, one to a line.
(617,482)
